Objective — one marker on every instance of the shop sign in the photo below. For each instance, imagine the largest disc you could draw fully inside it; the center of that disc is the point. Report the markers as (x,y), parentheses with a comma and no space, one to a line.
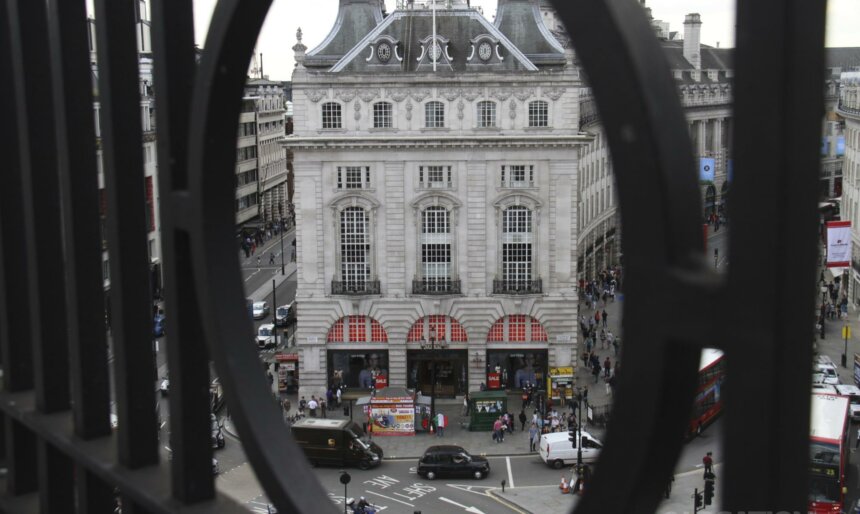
(494,380)
(381,381)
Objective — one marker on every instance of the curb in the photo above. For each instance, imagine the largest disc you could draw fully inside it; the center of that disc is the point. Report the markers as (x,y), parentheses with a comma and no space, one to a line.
(496,495)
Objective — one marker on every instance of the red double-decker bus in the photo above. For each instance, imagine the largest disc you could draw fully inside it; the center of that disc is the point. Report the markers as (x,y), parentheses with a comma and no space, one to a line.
(708,403)
(828,450)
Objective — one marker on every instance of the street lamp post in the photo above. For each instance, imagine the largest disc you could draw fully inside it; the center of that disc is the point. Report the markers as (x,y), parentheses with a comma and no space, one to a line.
(282,247)
(275,312)
(579,431)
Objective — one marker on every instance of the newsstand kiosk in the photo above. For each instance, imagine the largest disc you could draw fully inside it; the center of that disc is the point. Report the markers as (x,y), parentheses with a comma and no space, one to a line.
(485,407)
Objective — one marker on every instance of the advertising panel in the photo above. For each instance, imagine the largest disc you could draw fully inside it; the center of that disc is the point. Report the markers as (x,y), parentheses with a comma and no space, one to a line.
(392,416)
(706,169)
(838,244)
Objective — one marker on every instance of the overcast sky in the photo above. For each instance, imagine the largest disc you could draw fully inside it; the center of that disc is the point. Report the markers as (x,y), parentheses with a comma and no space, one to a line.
(317,17)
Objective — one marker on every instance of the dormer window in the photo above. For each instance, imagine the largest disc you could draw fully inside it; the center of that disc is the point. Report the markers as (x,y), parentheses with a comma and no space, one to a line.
(485,50)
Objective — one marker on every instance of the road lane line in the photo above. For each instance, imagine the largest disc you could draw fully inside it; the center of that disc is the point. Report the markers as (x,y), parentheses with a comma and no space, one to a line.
(389,498)
(473,510)
(510,473)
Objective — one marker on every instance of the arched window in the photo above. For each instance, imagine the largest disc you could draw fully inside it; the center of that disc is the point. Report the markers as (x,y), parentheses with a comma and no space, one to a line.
(331,116)
(444,327)
(538,113)
(486,114)
(517,328)
(436,250)
(517,247)
(434,115)
(355,249)
(357,329)
(382,115)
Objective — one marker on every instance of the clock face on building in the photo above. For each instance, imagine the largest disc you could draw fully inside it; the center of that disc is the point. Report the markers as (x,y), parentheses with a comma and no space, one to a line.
(383,52)
(485,51)
(435,51)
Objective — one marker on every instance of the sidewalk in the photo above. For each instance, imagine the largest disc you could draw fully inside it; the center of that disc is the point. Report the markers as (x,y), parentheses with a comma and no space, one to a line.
(540,499)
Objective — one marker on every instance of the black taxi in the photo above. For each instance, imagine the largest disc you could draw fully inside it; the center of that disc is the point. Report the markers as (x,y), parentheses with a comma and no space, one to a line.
(451,461)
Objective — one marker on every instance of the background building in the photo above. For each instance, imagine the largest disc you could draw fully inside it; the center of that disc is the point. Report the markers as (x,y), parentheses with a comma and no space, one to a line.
(436,179)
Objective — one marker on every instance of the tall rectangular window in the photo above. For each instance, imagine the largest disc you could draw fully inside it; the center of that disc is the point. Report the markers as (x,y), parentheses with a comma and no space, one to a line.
(538,114)
(435,177)
(382,115)
(331,116)
(436,249)
(518,175)
(517,246)
(486,114)
(355,248)
(434,115)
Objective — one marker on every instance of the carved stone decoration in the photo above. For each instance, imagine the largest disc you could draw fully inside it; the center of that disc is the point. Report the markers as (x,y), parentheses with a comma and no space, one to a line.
(460,107)
(449,94)
(408,110)
(470,94)
(357,108)
(367,95)
(398,95)
(345,94)
(501,94)
(419,94)
(315,95)
(524,93)
(513,107)
(554,93)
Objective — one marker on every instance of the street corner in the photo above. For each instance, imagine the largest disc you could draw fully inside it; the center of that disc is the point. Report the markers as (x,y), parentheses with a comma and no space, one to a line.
(534,499)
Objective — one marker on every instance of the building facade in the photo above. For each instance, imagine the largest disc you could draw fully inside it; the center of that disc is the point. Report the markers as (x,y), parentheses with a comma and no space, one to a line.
(436,165)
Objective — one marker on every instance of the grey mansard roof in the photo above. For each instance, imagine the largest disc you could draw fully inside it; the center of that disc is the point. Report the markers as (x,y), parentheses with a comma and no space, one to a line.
(355,19)
(522,23)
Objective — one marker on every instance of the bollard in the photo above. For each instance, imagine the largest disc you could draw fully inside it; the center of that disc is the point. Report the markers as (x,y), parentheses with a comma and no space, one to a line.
(503,485)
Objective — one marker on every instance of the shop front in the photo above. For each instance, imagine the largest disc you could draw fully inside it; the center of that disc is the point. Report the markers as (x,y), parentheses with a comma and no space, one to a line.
(516,368)
(364,369)
(451,372)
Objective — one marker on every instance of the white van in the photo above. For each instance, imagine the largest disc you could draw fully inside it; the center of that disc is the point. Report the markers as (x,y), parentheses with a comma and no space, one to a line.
(853,393)
(824,364)
(557,450)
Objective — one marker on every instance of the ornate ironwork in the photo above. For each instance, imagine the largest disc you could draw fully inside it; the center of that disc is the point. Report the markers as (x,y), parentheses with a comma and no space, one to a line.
(518,286)
(355,288)
(436,286)
(60,452)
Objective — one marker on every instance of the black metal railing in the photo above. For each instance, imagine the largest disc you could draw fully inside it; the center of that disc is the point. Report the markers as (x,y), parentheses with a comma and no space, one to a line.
(518,286)
(365,287)
(436,286)
(57,444)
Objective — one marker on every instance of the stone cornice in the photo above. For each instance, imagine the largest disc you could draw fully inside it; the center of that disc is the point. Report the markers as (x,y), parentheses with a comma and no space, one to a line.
(439,141)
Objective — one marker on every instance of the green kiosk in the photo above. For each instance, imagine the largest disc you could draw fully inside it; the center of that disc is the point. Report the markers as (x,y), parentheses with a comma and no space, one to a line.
(485,407)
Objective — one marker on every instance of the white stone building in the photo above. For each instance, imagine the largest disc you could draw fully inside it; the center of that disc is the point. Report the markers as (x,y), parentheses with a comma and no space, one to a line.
(436,167)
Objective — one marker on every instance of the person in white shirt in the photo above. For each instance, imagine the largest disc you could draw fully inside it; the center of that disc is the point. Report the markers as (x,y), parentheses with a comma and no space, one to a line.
(312,406)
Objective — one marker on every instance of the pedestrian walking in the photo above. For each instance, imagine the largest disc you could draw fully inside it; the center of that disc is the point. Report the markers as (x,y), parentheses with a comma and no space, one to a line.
(271,259)
(607,368)
(497,430)
(302,405)
(595,370)
(258,261)
(312,406)
(605,318)
(523,420)
(466,405)
(708,461)
(441,423)
(534,436)
(323,408)
(603,344)
(338,396)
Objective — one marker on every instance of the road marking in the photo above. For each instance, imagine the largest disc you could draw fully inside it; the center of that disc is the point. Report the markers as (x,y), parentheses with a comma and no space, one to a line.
(474,489)
(467,509)
(510,473)
(388,498)
(252,274)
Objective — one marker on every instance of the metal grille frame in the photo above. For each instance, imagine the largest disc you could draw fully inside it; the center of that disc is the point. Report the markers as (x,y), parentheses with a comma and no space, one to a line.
(58,447)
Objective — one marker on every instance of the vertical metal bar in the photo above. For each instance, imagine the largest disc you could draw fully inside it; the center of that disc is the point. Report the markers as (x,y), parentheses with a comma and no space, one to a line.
(41,202)
(90,385)
(93,494)
(131,306)
(173,44)
(14,301)
(783,118)
(21,448)
(56,480)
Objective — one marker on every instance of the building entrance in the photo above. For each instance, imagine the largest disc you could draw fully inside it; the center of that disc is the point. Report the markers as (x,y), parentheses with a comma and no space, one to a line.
(451,371)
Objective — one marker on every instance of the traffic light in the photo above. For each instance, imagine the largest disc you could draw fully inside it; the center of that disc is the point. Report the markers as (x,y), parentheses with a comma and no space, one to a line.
(572,437)
(698,499)
(709,490)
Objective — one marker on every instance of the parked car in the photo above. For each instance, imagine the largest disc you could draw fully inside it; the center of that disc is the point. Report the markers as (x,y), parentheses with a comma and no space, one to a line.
(823,364)
(158,325)
(285,314)
(260,310)
(451,461)
(266,336)
(853,393)
(557,451)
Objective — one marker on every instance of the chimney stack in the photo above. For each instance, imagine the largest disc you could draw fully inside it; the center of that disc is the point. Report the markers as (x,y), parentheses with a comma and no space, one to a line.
(692,38)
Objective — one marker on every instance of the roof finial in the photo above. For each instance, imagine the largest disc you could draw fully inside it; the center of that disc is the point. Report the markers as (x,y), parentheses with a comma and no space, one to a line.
(299,48)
